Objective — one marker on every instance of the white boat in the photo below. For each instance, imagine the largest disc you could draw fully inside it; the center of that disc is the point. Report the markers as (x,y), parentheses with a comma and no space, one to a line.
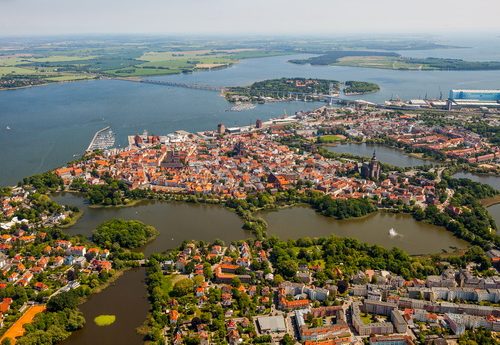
(392,232)
(7,128)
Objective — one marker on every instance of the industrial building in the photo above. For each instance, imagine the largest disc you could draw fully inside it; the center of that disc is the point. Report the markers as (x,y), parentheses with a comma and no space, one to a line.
(474,99)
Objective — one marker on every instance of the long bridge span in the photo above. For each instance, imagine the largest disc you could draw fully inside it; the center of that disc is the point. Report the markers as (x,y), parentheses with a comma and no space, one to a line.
(329,98)
(184,85)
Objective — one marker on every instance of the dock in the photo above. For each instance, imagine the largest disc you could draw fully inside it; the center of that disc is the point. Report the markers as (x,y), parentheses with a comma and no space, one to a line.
(103,139)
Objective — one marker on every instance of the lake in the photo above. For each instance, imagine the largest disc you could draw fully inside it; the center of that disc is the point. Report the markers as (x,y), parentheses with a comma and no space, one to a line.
(412,236)
(493,181)
(176,221)
(126,298)
(384,153)
(494,210)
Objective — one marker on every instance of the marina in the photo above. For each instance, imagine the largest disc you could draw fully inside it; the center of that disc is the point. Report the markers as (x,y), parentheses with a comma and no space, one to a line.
(242,107)
(102,140)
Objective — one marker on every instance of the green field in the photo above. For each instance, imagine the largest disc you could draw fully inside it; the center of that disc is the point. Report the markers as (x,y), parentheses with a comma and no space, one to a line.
(62,61)
(61,58)
(331,138)
(5,70)
(384,62)
(69,77)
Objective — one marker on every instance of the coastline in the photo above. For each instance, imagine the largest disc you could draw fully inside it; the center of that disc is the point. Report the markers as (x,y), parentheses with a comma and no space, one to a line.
(48,83)
(490,201)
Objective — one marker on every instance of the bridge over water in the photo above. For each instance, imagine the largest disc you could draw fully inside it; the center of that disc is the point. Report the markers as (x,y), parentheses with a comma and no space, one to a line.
(330,98)
(184,85)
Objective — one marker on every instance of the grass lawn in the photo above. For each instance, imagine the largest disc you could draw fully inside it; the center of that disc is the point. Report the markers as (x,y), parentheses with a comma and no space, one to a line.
(331,138)
(366,318)
(105,320)
(169,281)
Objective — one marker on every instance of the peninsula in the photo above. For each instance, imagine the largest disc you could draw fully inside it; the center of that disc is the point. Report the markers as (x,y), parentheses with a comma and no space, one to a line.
(390,60)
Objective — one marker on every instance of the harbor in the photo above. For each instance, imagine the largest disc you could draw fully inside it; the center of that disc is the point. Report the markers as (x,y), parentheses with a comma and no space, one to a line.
(103,139)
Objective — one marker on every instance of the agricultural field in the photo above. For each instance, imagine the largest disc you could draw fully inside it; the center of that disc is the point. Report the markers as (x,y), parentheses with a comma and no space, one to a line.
(22,71)
(394,61)
(384,62)
(41,65)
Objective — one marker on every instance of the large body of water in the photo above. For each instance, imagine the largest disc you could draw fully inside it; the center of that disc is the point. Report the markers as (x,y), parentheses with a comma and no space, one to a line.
(182,221)
(126,298)
(493,181)
(50,124)
(384,154)
(175,221)
(411,236)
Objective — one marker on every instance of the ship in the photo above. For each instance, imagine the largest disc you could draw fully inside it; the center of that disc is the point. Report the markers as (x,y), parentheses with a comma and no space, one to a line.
(392,232)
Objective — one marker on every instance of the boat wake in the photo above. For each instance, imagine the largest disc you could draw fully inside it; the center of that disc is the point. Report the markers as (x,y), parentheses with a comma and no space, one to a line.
(393,233)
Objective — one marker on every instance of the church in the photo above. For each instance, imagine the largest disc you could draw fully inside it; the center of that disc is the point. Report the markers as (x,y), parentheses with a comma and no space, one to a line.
(371,170)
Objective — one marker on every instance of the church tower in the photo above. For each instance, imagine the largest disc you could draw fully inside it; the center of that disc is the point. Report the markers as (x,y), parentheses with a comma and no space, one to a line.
(374,167)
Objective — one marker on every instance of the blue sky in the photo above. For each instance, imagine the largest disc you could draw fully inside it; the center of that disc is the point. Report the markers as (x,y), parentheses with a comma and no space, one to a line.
(28,17)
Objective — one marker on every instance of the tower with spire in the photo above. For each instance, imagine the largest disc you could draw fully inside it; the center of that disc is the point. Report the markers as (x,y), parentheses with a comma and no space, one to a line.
(371,170)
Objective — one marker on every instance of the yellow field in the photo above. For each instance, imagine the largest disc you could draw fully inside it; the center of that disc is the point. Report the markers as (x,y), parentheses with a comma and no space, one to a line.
(69,77)
(17,329)
(209,65)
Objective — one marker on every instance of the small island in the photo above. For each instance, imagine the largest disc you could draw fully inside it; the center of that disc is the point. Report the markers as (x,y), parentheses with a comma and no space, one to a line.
(295,89)
(127,234)
(104,320)
(359,88)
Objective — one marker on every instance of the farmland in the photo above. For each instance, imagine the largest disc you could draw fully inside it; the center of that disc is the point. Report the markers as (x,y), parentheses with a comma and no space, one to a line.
(40,66)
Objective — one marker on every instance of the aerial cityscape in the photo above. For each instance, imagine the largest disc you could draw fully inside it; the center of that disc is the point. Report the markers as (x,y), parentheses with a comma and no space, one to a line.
(265,172)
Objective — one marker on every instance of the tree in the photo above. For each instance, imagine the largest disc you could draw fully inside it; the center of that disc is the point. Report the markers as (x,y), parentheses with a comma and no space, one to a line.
(288,268)
(126,233)
(7,341)
(287,340)
(63,300)
(183,287)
